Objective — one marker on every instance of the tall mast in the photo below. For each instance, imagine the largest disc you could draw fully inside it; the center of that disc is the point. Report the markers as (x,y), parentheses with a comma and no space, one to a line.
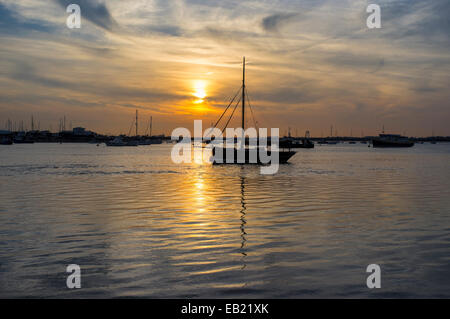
(151,120)
(136,122)
(243,96)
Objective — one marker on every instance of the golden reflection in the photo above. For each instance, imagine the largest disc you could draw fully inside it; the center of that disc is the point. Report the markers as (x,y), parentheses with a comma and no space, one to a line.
(200,194)
(243,223)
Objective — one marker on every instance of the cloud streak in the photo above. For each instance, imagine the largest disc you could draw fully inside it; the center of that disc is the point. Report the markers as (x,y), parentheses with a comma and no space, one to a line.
(94,11)
(274,22)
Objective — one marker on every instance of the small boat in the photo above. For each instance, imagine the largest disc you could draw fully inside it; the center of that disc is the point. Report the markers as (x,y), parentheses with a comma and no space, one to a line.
(156,141)
(290,142)
(23,140)
(6,141)
(150,141)
(118,141)
(145,142)
(304,143)
(392,140)
(129,141)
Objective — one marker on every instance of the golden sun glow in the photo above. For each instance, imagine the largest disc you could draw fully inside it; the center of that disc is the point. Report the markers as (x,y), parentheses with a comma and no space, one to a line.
(199,91)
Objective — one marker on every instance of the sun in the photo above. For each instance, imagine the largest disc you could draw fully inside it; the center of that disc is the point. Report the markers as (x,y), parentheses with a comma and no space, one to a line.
(199,91)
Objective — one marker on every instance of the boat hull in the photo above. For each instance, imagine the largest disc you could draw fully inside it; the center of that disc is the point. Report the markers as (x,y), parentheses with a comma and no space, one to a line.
(150,142)
(297,145)
(131,143)
(5,140)
(284,157)
(378,143)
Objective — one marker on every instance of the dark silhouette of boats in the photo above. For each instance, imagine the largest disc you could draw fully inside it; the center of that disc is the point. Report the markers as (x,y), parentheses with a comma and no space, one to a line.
(284,156)
(20,141)
(22,138)
(297,144)
(5,141)
(327,142)
(290,142)
(392,140)
(149,139)
(119,141)
(249,150)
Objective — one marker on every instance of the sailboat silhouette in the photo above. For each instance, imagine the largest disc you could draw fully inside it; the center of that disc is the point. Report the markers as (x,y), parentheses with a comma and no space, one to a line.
(252,155)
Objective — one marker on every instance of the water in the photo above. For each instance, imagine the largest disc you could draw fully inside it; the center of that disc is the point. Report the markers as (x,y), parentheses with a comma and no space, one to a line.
(140,226)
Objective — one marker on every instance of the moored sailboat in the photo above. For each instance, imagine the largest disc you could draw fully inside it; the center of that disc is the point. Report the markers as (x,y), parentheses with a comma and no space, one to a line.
(392,140)
(246,154)
(119,141)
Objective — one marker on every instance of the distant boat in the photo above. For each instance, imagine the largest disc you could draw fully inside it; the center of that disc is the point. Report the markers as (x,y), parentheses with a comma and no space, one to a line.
(22,139)
(150,141)
(305,143)
(324,142)
(284,156)
(6,141)
(145,142)
(290,142)
(118,141)
(392,140)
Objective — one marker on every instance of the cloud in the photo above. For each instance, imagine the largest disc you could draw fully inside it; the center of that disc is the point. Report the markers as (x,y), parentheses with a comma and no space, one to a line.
(274,22)
(416,19)
(288,95)
(171,30)
(12,23)
(95,12)
(27,74)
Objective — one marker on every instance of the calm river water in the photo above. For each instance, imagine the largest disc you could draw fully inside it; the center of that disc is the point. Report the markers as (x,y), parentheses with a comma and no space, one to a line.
(140,226)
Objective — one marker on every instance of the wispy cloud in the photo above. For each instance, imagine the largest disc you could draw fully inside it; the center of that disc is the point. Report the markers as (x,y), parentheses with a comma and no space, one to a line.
(94,11)
(13,23)
(273,22)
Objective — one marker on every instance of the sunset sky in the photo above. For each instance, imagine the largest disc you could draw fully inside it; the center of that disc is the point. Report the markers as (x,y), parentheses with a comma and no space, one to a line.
(311,64)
